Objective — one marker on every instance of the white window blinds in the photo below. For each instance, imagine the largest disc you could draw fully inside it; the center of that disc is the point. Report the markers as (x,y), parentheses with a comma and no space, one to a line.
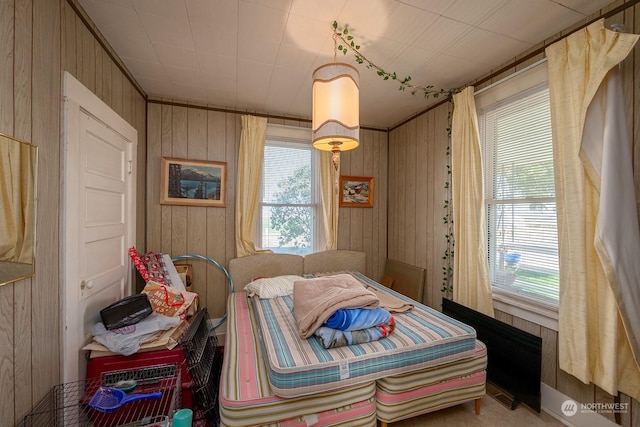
(520,196)
(289,199)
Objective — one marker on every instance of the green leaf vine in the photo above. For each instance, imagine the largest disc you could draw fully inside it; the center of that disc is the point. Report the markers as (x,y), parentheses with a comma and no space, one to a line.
(447,268)
(346,43)
(342,34)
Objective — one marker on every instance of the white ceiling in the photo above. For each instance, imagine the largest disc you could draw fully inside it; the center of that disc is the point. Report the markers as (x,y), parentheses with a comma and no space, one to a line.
(259,55)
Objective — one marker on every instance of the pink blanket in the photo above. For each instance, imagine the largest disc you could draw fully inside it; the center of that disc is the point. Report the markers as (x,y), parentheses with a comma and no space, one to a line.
(314,300)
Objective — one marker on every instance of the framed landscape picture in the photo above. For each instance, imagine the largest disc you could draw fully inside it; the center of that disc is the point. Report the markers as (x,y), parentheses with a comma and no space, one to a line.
(193,182)
(357,192)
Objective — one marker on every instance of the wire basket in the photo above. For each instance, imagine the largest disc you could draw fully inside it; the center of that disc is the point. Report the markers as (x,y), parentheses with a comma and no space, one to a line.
(196,337)
(204,362)
(68,404)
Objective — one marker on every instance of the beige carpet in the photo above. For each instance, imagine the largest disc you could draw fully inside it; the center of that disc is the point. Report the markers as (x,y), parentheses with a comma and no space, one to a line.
(492,414)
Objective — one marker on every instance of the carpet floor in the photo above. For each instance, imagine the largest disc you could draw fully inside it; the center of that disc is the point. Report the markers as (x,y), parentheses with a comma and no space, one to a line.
(493,413)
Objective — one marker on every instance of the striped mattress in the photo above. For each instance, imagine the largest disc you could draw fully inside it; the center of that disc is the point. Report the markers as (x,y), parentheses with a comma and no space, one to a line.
(423,338)
(405,396)
(246,398)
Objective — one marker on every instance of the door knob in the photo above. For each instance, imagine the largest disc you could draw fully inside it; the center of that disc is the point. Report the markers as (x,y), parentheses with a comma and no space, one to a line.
(88,284)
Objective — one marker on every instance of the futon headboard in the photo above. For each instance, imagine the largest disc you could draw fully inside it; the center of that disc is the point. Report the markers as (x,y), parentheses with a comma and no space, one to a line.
(244,269)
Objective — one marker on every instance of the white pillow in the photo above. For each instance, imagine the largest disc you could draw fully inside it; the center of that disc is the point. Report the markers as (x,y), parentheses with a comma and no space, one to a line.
(271,287)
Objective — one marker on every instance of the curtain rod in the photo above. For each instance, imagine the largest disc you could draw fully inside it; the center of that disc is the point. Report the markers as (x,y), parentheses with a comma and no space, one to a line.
(510,76)
(538,51)
(614,27)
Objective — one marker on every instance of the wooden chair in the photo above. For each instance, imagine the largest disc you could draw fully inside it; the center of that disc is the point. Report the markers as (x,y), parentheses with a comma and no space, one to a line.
(404,278)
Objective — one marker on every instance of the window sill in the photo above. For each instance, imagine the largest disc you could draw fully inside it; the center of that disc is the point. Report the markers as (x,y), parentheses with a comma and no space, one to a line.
(533,313)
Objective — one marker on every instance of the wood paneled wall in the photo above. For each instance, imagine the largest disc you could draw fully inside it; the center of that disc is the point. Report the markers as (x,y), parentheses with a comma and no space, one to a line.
(39,39)
(417,175)
(198,132)
(365,229)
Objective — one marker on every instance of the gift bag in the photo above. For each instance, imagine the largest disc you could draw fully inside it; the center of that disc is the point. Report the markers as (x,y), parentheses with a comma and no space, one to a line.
(170,301)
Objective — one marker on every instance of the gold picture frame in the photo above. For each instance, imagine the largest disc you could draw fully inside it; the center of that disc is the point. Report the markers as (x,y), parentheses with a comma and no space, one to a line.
(185,271)
(193,182)
(356,192)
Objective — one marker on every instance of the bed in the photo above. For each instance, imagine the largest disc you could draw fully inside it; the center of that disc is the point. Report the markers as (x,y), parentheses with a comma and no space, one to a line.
(270,376)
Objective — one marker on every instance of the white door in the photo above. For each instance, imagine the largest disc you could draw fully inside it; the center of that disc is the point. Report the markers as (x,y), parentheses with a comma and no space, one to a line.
(99,190)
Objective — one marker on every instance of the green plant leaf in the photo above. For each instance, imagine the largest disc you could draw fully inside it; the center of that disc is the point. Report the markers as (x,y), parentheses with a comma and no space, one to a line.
(428,90)
(346,37)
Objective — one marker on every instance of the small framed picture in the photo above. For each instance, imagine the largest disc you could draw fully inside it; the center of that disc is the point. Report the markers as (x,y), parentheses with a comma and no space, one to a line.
(193,182)
(185,271)
(357,192)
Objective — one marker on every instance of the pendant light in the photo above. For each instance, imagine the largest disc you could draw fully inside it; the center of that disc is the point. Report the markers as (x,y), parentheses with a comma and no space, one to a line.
(336,109)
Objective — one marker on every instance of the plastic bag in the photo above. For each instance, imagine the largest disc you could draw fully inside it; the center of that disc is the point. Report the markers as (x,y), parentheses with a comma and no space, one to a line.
(127,340)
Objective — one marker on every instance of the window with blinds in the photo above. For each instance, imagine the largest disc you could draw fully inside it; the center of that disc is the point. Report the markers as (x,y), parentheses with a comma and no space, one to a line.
(520,196)
(289,198)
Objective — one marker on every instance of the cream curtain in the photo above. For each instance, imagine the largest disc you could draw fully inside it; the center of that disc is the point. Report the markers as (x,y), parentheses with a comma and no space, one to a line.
(471,284)
(593,345)
(329,189)
(250,157)
(17,162)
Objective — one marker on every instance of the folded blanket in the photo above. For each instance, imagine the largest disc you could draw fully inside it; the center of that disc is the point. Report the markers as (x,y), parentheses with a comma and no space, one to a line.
(352,319)
(390,302)
(315,300)
(332,338)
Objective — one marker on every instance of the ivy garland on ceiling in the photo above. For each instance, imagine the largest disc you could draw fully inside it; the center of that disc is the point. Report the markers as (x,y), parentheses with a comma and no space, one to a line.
(348,44)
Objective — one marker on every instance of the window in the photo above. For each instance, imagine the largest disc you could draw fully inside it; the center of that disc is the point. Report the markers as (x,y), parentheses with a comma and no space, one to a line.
(520,196)
(290,197)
